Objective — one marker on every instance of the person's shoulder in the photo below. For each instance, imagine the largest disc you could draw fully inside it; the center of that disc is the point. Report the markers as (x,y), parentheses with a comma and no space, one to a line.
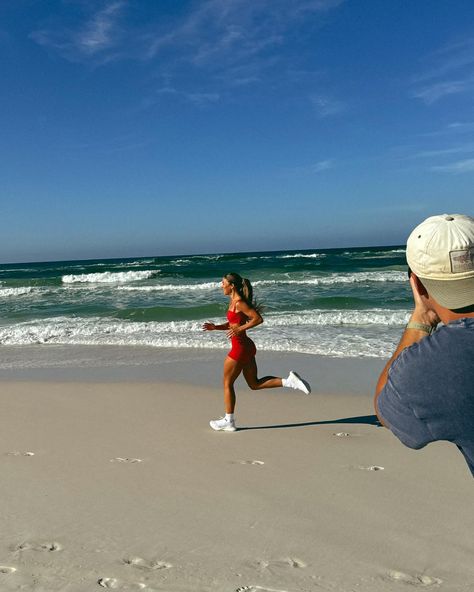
(243,307)
(240,305)
(434,356)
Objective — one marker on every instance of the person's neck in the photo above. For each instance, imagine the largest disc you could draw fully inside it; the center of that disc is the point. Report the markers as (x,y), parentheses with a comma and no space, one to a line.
(454,316)
(448,316)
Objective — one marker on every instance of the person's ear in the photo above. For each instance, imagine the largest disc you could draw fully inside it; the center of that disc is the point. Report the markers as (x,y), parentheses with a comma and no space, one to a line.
(421,288)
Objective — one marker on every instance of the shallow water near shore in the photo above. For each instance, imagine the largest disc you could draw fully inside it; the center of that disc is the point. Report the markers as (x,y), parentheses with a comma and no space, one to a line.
(196,367)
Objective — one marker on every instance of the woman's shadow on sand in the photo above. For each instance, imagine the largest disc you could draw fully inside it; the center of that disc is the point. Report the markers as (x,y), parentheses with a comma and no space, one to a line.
(361,419)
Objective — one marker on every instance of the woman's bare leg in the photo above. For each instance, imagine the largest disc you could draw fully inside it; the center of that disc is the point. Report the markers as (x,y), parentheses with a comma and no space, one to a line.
(232,369)
(255,383)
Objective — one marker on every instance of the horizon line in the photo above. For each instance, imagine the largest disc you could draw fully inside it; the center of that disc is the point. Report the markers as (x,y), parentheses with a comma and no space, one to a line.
(199,254)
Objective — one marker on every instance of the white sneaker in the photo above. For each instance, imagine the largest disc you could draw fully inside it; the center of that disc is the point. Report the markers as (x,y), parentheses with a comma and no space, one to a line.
(223,425)
(295,381)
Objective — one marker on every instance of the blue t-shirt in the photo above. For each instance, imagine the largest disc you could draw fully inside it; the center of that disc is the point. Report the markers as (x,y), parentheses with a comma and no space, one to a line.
(429,393)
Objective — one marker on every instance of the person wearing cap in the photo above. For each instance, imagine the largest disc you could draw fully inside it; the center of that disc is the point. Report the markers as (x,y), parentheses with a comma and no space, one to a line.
(426,391)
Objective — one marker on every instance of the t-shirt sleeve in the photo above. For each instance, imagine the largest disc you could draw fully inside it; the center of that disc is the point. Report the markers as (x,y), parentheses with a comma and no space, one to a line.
(400,418)
(428,395)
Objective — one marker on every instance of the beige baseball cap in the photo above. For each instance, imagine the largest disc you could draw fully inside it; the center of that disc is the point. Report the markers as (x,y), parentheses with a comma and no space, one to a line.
(440,251)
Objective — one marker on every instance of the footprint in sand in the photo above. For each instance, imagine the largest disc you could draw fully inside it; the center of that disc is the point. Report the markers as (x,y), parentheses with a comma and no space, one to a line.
(285,562)
(342,434)
(290,562)
(414,580)
(140,563)
(20,453)
(250,462)
(108,583)
(32,546)
(4,569)
(257,588)
(126,460)
(115,584)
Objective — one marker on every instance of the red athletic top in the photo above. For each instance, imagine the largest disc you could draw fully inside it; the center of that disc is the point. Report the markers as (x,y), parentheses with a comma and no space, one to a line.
(236,317)
(243,348)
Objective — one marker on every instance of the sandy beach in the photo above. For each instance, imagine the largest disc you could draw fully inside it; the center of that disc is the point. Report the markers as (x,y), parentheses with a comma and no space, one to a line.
(123,485)
(178,176)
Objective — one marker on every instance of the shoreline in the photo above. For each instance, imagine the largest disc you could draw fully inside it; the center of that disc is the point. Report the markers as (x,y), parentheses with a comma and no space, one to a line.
(200,367)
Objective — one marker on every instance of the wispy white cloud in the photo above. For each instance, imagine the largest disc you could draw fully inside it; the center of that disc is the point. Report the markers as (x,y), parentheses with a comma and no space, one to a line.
(454,129)
(221,36)
(448,71)
(449,58)
(218,37)
(433,92)
(99,32)
(461,126)
(469,147)
(97,37)
(461,166)
(326,106)
(202,98)
(224,45)
(317,167)
(116,144)
(322,165)
(200,54)
(438,160)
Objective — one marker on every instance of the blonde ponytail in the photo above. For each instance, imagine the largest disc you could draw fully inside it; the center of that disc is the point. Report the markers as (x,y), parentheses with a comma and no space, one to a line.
(247,291)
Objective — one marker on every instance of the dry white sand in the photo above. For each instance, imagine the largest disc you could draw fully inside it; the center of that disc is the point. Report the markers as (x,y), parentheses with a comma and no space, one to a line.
(125,486)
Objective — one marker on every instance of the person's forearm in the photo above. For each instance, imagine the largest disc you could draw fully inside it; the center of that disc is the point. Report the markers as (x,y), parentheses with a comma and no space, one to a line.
(251,324)
(222,327)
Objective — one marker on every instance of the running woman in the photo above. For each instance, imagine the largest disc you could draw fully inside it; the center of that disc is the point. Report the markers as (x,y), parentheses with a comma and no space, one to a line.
(243,314)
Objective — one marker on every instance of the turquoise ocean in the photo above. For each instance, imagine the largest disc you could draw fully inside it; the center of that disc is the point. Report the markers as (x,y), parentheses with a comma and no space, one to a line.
(340,303)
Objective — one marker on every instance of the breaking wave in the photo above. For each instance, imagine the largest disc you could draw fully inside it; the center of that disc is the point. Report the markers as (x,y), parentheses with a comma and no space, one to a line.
(9,292)
(109,277)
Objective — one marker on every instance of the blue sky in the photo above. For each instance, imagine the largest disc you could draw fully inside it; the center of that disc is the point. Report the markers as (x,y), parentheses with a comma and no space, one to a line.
(148,127)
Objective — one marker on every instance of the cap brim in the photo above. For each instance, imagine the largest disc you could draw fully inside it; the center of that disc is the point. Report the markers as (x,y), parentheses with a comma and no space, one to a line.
(452,294)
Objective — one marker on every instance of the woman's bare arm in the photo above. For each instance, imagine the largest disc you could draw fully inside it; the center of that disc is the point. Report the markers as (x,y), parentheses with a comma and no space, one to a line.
(212,327)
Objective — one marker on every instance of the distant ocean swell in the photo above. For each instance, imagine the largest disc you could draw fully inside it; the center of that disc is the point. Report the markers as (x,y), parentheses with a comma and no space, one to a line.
(338,302)
(131,277)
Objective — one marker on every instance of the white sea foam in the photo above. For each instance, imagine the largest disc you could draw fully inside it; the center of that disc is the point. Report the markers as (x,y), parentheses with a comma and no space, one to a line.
(98,330)
(9,292)
(375,316)
(172,287)
(374,254)
(192,259)
(341,278)
(303,256)
(139,263)
(109,277)
(341,334)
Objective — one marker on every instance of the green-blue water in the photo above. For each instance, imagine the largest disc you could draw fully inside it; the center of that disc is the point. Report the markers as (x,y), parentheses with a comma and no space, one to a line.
(337,302)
